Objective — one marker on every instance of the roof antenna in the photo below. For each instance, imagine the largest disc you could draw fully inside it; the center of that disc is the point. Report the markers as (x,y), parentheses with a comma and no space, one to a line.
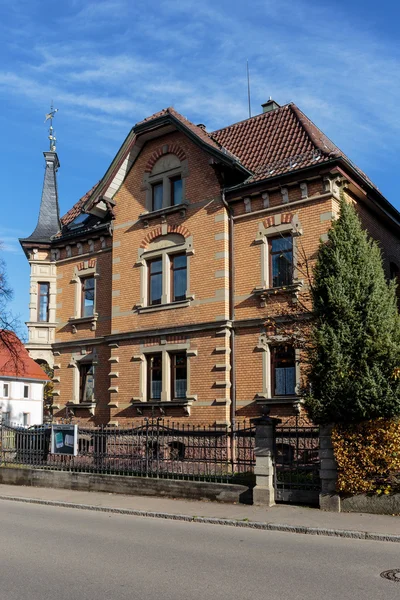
(52,136)
(248,88)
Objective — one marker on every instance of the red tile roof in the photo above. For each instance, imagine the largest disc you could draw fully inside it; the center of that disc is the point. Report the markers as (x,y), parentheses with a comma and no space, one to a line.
(77,207)
(201,133)
(277,142)
(15,360)
(270,144)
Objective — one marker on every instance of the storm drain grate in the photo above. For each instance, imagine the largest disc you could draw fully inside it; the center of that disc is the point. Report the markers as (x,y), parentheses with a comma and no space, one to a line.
(392,575)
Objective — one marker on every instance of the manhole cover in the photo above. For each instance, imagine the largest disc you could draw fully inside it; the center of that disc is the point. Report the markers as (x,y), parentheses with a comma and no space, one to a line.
(392,575)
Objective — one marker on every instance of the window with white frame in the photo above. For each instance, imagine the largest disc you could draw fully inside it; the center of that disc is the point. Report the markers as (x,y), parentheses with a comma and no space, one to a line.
(26,391)
(25,419)
(165,184)
(165,271)
(5,416)
(6,390)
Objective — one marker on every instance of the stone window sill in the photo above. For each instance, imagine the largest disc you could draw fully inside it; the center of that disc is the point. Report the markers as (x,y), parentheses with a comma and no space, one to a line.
(184,403)
(89,319)
(41,324)
(92,320)
(162,212)
(163,403)
(293,287)
(265,294)
(90,406)
(263,399)
(168,306)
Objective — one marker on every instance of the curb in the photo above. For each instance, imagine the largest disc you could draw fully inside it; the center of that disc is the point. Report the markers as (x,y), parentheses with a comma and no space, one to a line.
(343,533)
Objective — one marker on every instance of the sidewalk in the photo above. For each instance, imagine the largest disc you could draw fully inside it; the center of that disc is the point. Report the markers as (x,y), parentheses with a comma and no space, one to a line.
(278,518)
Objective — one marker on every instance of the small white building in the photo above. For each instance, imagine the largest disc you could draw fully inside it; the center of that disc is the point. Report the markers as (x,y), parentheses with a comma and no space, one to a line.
(22,383)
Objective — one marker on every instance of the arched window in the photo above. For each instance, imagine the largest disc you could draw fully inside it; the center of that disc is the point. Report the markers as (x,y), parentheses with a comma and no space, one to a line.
(166,183)
(165,271)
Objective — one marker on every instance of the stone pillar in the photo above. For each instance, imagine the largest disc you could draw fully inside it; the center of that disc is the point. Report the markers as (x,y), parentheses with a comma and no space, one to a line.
(329,499)
(264,491)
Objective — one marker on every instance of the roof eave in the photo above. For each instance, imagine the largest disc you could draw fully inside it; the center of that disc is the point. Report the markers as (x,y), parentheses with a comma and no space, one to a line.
(262,182)
(110,173)
(376,196)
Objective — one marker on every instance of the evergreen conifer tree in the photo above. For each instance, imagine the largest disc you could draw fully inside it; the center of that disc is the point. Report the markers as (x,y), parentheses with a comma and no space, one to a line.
(354,355)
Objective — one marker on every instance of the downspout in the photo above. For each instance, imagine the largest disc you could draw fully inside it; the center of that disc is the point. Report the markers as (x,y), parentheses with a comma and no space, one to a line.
(231,247)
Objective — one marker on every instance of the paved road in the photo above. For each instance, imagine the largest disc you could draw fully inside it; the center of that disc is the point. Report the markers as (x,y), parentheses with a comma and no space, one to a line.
(68,554)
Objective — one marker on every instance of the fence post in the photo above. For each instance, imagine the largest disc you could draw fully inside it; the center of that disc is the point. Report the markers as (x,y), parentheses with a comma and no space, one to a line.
(264,491)
(329,499)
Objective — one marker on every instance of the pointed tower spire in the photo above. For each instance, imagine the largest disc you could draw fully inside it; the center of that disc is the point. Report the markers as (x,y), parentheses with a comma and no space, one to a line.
(49,216)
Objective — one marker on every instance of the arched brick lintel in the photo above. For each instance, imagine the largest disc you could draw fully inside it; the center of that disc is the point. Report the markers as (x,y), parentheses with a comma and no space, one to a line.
(157,232)
(167,149)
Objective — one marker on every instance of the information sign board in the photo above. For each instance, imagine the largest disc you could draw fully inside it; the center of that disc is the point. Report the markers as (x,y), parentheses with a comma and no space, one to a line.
(64,439)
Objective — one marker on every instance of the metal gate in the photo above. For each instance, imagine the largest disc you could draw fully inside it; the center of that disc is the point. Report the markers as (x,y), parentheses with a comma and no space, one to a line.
(297,461)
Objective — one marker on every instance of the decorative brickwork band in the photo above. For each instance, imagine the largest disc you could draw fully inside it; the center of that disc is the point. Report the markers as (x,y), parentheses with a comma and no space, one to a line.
(285,218)
(87,264)
(157,232)
(168,149)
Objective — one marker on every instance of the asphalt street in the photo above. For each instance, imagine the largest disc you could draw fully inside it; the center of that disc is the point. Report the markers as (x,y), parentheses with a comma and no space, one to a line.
(67,554)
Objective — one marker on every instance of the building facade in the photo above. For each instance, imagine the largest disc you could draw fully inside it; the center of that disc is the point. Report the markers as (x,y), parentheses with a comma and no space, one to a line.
(173,286)
(22,384)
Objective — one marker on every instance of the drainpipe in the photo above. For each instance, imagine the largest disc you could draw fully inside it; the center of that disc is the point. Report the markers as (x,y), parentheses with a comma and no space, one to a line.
(231,248)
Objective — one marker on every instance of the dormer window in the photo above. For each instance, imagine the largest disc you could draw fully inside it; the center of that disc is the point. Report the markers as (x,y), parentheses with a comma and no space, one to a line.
(166,184)
(79,221)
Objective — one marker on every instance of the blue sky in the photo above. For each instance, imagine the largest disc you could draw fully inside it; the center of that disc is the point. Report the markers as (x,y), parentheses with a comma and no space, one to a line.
(109,63)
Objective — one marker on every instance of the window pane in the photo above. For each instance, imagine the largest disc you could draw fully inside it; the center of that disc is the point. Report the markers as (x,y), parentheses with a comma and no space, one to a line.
(281,261)
(86,383)
(5,390)
(281,243)
(176,191)
(179,376)
(284,371)
(179,261)
(282,269)
(156,266)
(179,277)
(157,196)
(155,281)
(43,302)
(155,376)
(89,387)
(26,391)
(88,297)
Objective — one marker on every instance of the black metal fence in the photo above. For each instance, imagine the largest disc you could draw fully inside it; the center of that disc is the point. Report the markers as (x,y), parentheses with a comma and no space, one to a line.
(297,461)
(155,448)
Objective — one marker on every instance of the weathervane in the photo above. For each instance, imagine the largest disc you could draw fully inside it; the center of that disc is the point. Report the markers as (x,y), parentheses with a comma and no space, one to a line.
(52,135)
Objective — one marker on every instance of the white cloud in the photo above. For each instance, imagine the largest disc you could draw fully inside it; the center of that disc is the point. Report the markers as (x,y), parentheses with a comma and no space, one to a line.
(192,55)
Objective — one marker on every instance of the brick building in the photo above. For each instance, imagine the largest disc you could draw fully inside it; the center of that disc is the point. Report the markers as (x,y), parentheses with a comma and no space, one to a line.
(152,294)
